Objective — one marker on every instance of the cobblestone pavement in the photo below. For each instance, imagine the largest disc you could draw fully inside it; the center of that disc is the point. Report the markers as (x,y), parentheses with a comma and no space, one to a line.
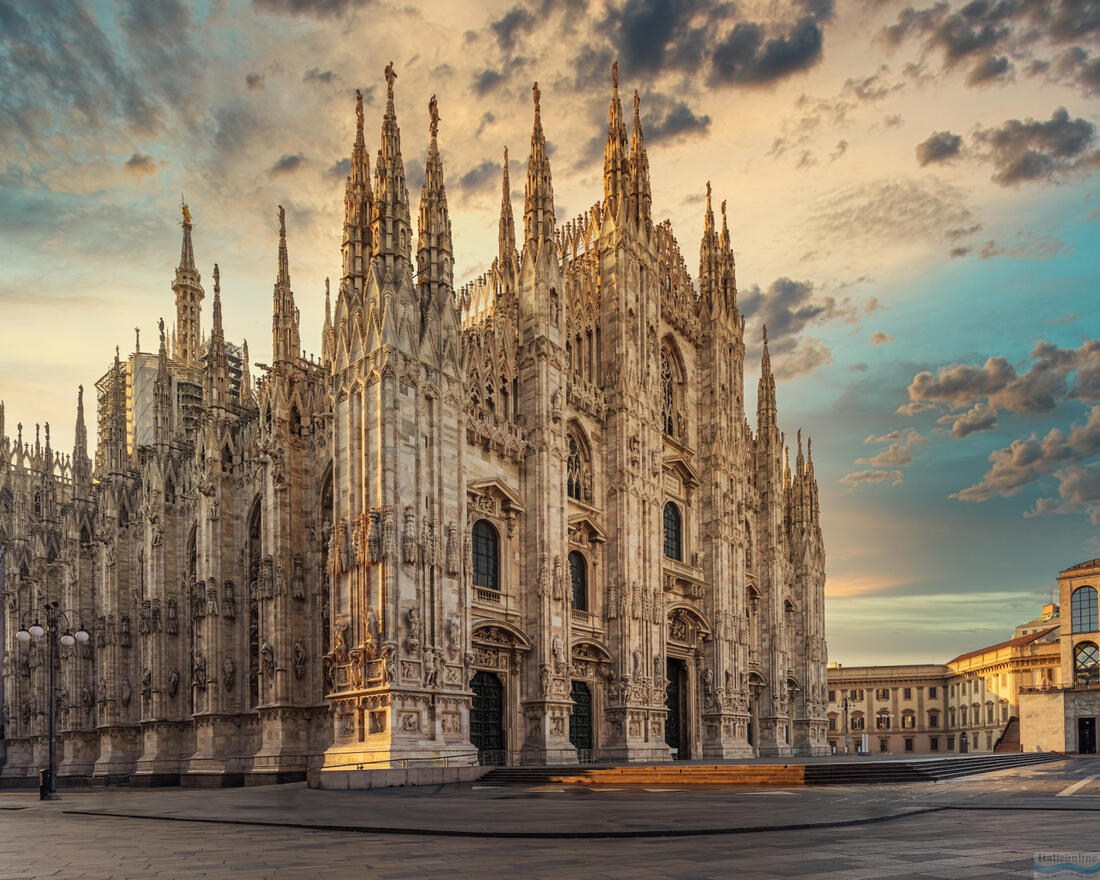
(983,827)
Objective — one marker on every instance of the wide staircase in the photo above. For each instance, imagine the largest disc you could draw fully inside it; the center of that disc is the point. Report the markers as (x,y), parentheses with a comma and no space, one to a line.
(1010,737)
(824,773)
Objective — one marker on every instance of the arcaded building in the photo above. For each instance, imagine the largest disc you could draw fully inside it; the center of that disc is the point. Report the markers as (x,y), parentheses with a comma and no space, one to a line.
(522,520)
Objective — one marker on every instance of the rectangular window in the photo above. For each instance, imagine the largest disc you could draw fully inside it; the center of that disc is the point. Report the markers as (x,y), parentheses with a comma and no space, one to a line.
(909,722)
(832,722)
(988,714)
(856,695)
(907,694)
(832,696)
(933,743)
(962,688)
(882,745)
(989,741)
(951,744)
(908,744)
(882,694)
(933,719)
(882,722)
(932,693)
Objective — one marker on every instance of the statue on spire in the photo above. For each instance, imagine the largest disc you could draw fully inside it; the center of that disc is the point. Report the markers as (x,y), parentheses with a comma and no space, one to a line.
(433,115)
(358,110)
(185,211)
(391,75)
(536,94)
(615,74)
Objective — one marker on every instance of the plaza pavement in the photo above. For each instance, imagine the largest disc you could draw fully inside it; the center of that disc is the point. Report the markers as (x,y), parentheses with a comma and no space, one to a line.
(980,827)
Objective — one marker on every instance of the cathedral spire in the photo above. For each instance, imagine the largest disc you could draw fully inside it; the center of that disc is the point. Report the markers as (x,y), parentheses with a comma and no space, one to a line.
(162,393)
(80,444)
(286,344)
(357,207)
(709,256)
(538,208)
(244,395)
(390,222)
(189,296)
(506,228)
(729,267)
(217,363)
(641,194)
(765,394)
(616,167)
(116,431)
(434,255)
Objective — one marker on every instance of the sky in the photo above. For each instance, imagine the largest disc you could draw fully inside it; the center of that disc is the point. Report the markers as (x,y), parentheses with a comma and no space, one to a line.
(912,193)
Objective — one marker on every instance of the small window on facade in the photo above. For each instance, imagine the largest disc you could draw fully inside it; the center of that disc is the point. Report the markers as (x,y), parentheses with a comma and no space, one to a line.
(578,576)
(883,745)
(909,722)
(668,395)
(882,722)
(933,743)
(673,532)
(486,555)
(832,696)
(933,719)
(857,722)
(832,722)
(908,744)
(1086,665)
(951,744)
(1083,606)
(907,694)
(882,694)
(932,693)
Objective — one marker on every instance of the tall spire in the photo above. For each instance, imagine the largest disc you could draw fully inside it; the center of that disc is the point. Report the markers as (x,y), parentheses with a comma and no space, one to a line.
(538,209)
(641,195)
(80,444)
(435,253)
(162,394)
(729,267)
(357,207)
(244,394)
(616,168)
(506,228)
(765,394)
(116,430)
(391,235)
(189,296)
(286,344)
(217,363)
(709,259)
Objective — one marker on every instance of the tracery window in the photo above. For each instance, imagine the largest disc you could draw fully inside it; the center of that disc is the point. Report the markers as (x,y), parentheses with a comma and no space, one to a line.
(1083,608)
(673,532)
(578,472)
(578,577)
(486,555)
(668,394)
(1086,665)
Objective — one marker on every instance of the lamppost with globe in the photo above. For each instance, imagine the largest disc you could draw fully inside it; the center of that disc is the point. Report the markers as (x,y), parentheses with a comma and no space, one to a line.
(55,620)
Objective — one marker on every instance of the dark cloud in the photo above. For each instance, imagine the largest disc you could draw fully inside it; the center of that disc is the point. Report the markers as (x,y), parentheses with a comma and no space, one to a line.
(487,80)
(860,478)
(665,118)
(873,87)
(481,178)
(980,417)
(789,306)
(140,165)
(800,359)
(895,455)
(254,81)
(1034,150)
(746,57)
(288,164)
(998,384)
(939,147)
(1079,491)
(309,8)
(316,75)
(1025,461)
(515,22)
(988,69)
(414,174)
(341,168)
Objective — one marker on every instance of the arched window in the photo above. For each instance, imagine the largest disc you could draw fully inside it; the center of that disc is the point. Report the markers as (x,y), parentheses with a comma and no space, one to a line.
(1086,665)
(578,577)
(486,552)
(1083,608)
(668,393)
(748,547)
(123,516)
(578,483)
(169,491)
(673,532)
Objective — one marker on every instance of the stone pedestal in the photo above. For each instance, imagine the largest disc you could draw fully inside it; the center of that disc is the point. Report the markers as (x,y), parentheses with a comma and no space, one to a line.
(164,743)
(725,736)
(118,751)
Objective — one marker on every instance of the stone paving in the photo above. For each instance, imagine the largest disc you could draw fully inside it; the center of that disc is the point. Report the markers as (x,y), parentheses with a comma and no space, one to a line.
(958,835)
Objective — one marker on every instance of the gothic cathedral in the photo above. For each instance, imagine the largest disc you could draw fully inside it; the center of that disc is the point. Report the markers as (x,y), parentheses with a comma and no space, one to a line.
(522,521)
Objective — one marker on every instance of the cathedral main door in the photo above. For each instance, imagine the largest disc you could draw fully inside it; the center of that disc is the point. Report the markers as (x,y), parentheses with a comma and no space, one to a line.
(674,700)
(580,722)
(487,717)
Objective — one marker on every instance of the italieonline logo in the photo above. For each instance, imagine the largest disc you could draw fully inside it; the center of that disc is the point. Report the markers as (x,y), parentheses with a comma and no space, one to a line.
(1049,865)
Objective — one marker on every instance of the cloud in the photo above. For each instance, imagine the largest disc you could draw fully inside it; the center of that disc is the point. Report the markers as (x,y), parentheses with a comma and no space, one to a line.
(860,478)
(990,68)
(1036,247)
(805,356)
(254,81)
(515,22)
(288,164)
(480,178)
(909,436)
(1078,490)
(746,57)
(789,306)
(310,8)
(997,383)
(980,417)
(1025,461)
(340,169)
(895,455)
(665,119)
(487,80)
(1034,150)
(141,165)
(880,338)
(939,147)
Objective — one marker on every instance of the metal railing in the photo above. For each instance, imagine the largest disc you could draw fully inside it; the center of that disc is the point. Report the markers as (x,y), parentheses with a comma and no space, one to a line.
(534,757)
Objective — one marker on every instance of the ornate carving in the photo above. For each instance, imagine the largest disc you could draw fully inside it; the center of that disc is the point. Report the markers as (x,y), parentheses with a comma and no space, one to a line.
(409,539)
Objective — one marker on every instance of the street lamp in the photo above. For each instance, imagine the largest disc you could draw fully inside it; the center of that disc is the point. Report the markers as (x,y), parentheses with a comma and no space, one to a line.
(55,618)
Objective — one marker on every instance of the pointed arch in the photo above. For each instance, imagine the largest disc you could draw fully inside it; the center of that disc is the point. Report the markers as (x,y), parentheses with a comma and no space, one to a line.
(578,484)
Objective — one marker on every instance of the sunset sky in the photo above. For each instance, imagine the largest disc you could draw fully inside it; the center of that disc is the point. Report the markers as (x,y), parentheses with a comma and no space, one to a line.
(913,198)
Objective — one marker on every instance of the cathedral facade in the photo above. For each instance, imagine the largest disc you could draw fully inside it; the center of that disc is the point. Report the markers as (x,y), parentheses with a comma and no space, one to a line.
(523,520)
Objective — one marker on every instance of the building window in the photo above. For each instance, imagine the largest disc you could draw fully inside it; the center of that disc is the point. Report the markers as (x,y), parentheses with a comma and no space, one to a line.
(486,553)
(962,716)
(668,394)
(857,722)
(882,722)
(989,713)
(832,696)
(832,722)
(578,482)
(932,693)
(856,695)
(933,719)
(933,743)
(578,576)
(951,717)
(1004,712)
(1083,607)
(1086,665)
(673,532)
(908,744)
(882,694)
(883,744)
(909,722)
(951,744)
(962,689)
